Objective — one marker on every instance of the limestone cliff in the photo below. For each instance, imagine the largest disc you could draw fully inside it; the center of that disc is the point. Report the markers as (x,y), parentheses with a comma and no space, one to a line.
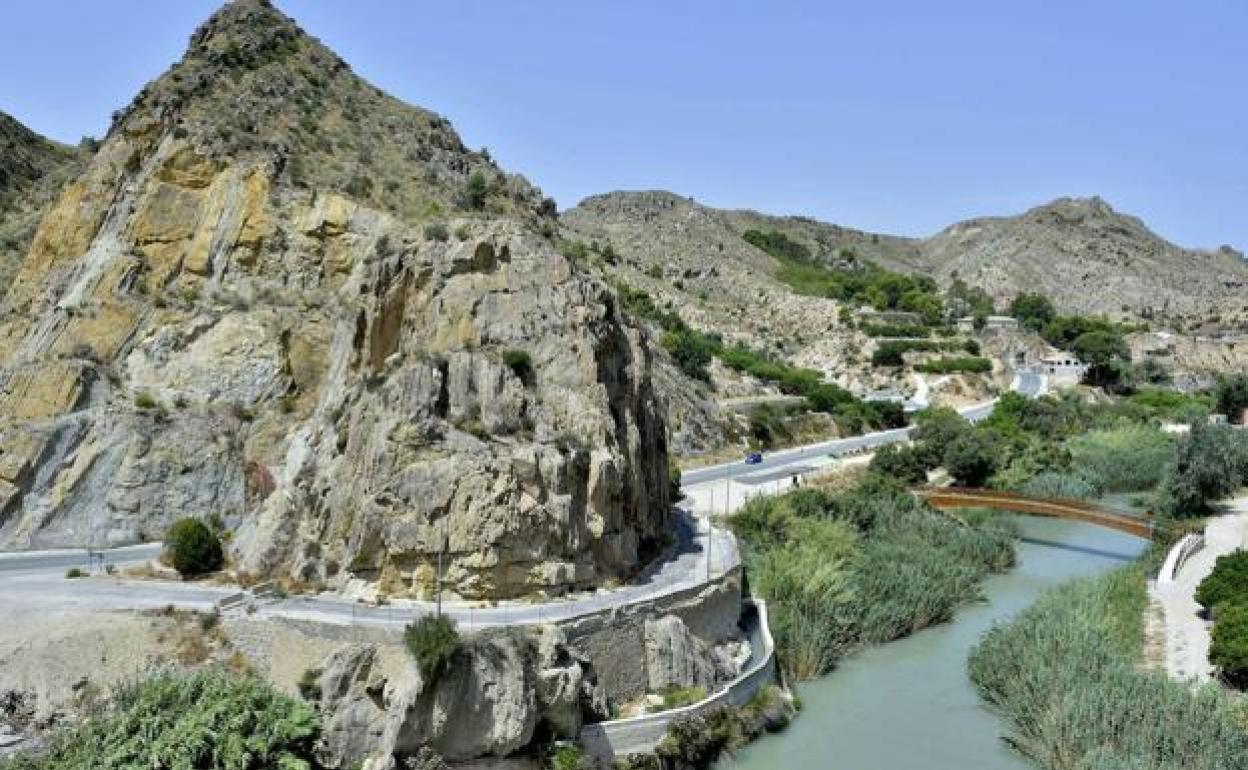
(355,362)
(32,171)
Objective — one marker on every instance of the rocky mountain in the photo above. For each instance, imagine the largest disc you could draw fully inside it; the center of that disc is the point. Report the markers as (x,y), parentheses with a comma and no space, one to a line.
(33,169)
(282,300)
(1090,259)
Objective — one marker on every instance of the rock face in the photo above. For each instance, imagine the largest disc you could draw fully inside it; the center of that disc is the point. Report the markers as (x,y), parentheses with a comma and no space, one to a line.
(502,688)
(1089,258)
(675,658)
(32,171)
(222,316)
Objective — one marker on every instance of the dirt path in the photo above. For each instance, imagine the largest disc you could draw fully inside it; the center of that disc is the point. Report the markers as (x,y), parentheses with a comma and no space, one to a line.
(1186,633)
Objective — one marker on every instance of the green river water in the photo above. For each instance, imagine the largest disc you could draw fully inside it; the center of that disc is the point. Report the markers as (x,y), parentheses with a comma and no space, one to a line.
(909,705)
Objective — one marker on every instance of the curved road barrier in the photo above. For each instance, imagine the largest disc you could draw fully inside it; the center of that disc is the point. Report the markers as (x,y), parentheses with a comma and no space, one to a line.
(607,741)
(946,498)
(1186,548)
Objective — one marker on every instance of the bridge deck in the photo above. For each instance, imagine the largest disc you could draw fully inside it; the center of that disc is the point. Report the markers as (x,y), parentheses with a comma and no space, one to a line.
(1056,507)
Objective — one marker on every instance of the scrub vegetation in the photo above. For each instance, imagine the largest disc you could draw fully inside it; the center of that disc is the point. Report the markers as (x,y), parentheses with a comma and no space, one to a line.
(1065,674)
(864,566)
(209,718)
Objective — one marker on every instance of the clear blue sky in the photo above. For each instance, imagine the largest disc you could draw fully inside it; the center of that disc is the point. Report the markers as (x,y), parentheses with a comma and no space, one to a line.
(899,117)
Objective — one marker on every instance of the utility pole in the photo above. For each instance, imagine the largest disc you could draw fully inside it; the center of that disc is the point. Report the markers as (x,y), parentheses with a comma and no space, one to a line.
(442,544)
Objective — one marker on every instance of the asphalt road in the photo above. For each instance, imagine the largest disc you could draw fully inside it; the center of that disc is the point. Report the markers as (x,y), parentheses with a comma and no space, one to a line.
(35,581)
(1026,382)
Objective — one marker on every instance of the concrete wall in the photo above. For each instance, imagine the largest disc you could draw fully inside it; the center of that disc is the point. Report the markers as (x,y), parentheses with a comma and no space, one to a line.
(607,741)
(612,639)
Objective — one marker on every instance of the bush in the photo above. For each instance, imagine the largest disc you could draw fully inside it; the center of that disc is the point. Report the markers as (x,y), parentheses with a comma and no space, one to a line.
(193,548)
(144,400)
(968,364)
(1033,311)
(1210,464)
(436,231)
(1050,484)
(520,364)
(674,492)
(777,244)
(972,458)
(75,572)
(902,463)
(567,757)
(205,719)
(692,351)
(1231,394)
(1229,648)
(477,190)
(1131,458)
(433,642)
(1228,582)
(679,697)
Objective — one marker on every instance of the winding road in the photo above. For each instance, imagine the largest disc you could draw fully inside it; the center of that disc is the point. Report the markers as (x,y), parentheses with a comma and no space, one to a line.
(36,581)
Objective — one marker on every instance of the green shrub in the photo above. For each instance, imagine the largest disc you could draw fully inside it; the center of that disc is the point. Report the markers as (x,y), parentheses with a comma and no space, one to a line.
(894,330)
(193,548)
(567,756)
(144,400)
(436,231)
(75,572)
(1130,458)
(1227,583)
(520,364)
(205,719)
(903,463)
(674,491)
(433,641)
(679,697)
(1210,463)
(947,365)
(1050,484)
(863,566)
(1231,394)
(972,457)
(777,244)
(476,191)
(309,685)
(692,351)
(1228,649)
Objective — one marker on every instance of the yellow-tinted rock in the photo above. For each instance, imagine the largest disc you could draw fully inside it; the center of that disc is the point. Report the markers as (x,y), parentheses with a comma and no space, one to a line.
(102,329)
(41,390)
(186,168)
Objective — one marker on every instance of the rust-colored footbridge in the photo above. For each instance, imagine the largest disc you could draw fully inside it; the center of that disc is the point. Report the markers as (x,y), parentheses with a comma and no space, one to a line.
(946,498)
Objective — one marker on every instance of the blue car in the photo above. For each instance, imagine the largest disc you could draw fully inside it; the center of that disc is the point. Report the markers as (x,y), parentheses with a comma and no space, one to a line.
(753,458)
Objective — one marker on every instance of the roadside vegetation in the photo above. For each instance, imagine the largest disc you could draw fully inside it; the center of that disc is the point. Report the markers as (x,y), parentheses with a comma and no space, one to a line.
(209,719)
(193,548)
(693,351)
(1066,674)
(433,642)
(860,567)
(1224,595)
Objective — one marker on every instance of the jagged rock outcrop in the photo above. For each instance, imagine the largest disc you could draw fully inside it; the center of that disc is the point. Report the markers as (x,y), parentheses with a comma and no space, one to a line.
(219,317)
(33,169)
(676,658)
(502,687)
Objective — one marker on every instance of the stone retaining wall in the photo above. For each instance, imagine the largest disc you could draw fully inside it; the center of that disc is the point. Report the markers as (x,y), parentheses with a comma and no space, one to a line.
(607,741)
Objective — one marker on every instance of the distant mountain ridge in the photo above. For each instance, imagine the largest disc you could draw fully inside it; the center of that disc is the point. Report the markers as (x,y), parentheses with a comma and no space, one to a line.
(1082,253)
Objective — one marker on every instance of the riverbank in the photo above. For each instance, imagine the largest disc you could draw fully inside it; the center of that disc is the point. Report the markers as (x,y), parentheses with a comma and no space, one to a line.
(909,705)
(1066,676)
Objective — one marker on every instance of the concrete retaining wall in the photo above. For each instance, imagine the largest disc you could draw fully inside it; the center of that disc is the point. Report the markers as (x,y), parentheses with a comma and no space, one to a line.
(607,741)
(613,642)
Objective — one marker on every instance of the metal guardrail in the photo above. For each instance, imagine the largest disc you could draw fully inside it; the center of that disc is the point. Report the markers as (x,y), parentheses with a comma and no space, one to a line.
(1187,547)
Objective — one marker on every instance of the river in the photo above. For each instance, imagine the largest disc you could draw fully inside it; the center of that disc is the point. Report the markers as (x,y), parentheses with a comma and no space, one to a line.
(909,705)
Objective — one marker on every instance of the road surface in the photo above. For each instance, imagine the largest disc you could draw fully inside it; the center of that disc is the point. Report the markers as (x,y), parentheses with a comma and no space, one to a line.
(35,581)
(1025,382)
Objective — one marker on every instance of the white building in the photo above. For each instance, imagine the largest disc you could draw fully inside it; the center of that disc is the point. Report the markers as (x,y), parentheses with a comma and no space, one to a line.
(966,324)
(1062,368)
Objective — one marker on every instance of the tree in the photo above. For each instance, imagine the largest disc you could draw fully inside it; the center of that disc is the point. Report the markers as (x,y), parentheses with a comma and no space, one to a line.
(972,458)
(433,642)
(901,463)
(1104,352)
(1210,464)
(1033,311)
(193,548)
(936,429)
(1232,396)
(1228,582)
